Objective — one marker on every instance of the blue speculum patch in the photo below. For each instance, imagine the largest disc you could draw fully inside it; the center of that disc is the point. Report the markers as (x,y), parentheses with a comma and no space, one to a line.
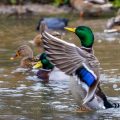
(86,76)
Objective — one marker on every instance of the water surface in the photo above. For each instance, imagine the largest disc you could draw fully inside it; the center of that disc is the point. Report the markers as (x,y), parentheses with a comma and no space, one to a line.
(26,99)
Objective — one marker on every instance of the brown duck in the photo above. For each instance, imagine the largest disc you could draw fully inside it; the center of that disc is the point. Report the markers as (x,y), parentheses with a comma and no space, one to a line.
(91,7)
(26,54)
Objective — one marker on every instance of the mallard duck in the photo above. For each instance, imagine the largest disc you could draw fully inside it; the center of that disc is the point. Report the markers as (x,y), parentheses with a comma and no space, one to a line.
(53,23)
(78,62)
(87,7)
(28,61)
(26,54)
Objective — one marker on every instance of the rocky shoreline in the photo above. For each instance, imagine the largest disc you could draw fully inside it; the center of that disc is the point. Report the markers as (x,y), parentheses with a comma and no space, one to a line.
(34,9)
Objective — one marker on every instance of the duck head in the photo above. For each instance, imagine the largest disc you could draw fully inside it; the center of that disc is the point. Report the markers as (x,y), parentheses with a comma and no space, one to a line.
(26,53)
(85,35)
(23,51)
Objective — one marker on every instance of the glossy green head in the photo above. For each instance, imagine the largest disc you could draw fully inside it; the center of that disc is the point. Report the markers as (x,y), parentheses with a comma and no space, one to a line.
(85,35)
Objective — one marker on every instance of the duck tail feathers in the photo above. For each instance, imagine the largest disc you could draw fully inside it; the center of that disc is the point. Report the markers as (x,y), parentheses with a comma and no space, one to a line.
(116,105)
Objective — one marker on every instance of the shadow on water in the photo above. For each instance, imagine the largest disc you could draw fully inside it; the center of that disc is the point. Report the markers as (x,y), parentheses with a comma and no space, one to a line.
(24,99)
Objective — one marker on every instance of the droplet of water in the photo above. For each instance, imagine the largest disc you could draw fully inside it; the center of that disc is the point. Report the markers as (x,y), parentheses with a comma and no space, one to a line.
(114,86)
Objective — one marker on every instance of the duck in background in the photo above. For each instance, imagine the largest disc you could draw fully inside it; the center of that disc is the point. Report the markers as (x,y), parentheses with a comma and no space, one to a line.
(113,24)
(28,61)
(26,54)
(53,23)
(81,63)
(91,7)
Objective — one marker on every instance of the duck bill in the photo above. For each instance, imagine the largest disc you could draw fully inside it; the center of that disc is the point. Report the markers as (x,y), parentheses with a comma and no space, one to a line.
(15,56)
(38,65)
(70,29)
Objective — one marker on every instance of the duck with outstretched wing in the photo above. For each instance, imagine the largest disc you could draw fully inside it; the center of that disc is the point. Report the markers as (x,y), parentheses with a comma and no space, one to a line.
(79,62)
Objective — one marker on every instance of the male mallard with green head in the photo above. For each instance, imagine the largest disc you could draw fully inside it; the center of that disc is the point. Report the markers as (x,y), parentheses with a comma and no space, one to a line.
(79,62)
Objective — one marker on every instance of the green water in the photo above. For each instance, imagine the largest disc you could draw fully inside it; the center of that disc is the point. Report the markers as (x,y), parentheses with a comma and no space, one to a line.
(24,99)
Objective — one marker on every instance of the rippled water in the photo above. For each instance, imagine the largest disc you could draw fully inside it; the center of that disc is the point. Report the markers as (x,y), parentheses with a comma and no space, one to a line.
(23,98)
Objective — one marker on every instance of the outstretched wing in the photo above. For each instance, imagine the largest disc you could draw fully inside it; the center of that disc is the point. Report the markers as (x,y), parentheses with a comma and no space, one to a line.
(65,56)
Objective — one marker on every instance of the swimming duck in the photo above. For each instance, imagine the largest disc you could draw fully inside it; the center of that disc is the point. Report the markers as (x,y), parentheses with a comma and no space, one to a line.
(53,23)
(80,63)
(113,24)
(28,61)
(26,54)
(91,7)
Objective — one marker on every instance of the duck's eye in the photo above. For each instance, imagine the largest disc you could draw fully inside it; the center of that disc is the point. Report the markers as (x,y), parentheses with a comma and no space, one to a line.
(20,51)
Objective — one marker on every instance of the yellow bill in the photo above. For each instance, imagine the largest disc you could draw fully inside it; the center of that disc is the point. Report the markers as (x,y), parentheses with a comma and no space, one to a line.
(38,65)
(70,29)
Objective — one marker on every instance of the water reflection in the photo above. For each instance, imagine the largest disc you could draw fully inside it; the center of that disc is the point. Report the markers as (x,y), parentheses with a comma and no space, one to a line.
(23,97)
